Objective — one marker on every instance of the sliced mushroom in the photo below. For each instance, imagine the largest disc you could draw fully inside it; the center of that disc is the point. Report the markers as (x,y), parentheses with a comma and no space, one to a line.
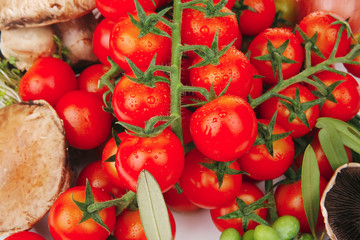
(30,13)
(34,166)
(340,203)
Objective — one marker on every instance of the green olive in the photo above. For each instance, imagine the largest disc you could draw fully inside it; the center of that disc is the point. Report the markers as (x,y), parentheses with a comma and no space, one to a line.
(249,235)
(287,227)
(263,232)
(230,234)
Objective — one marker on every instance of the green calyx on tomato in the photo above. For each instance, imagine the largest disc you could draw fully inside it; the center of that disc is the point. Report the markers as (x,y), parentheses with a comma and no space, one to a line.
(266,136)
(222,168)
(210,9)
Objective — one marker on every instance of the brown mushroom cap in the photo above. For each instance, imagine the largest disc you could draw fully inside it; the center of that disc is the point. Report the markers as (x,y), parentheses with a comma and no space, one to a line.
(340,203)
(34,167)
(31,13)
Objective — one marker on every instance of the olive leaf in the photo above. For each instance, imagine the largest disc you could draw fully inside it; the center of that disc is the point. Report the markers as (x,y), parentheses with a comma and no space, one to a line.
(153,211)
(310,180)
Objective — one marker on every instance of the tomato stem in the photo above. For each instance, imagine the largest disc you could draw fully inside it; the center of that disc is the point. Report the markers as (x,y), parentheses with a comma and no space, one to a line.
(120,203)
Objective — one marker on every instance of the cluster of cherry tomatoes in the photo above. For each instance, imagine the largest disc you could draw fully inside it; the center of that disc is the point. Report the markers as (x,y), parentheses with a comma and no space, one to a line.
(256,107)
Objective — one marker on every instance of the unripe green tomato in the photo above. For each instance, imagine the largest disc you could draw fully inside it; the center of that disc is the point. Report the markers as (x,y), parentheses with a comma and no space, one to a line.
(287,227)
(230,234)
(262,232)
(249,235)
(306,236)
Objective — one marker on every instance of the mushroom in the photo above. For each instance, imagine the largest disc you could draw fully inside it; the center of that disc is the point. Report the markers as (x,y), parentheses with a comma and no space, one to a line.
(34,165)
(339,203)
(27,29)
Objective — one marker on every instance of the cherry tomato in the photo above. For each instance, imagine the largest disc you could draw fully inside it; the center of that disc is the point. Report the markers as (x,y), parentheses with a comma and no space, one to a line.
(261,165)
(136,103)
(49,79)
(86,124)
(89,78)
(101,40)
(277,36)
(269,107)
(234,66)
(178,201)
(252,23)
(249,193)
(185,122)
(109,168)
(289,11)
(320,22)
(25,235)
(198,30)
(224,129)
(129,227)
(289,201)
(64,216)
(94,173)
(346,94)
(201,185)
(116,9)
(125,42)
(161,155)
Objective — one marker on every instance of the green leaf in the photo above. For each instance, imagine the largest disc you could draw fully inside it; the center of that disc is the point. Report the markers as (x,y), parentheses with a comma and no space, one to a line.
(310,177)
(153,211)
(349,135)
(333,147)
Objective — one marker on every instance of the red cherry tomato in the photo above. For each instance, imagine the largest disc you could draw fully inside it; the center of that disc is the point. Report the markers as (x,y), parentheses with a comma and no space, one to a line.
(269,107)
(136,103)
(89,79)
(64,216)
(261,165)
(25,235)
(97,178)
(198,30)
(178,201)
(346,94)
(224,129)
(49,79)
(201,185)
(86,124)
(161,155)
(234,66)
(289,201)
(252,23)
(249,193)
(125,42)
(129,227)
(116,9)
(101,40)
(321,23)
(277,36)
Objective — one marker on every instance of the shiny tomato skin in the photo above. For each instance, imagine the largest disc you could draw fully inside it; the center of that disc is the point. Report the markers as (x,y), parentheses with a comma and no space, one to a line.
(293,51)
(321,22)
(109,168)
(224,129)
(116,9)
(249,193)
(25,235)
(269,107)
(259,163)
(234,66)
(347,95)
(229,4)
(201,185)
(49,79)
(88,79)
(64,216)
(128,226)
(136,103)
(289,201)
(86,124)
(161,155)
(101,40)
(95,174)
(178,201)
(124,42)
(198,30)
(252,23)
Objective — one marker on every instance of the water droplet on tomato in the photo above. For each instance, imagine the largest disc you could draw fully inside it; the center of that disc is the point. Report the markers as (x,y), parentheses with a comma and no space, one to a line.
(204,29)
(222,114)
(214,119)
(150,100)
(226,77)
